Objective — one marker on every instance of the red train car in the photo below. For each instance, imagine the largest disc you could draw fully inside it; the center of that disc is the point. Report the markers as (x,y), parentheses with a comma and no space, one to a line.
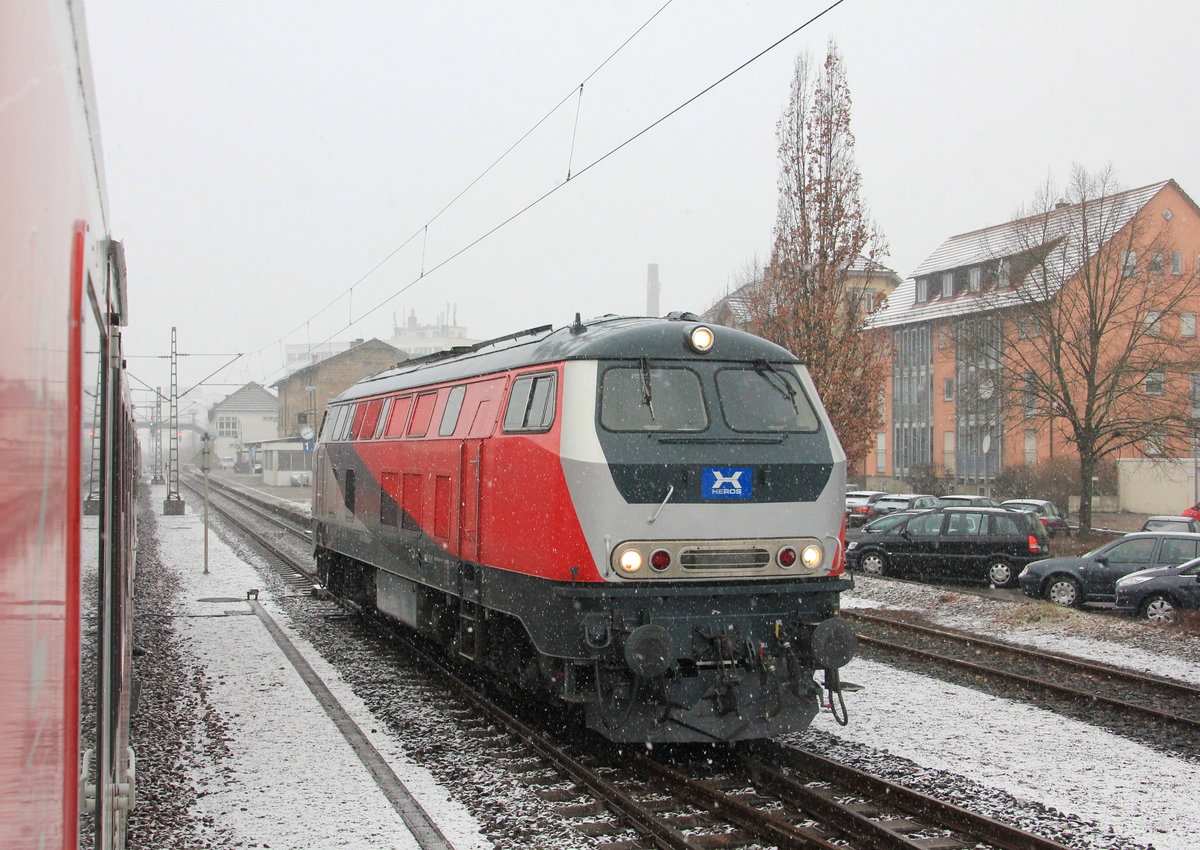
(642,517)
(67,452)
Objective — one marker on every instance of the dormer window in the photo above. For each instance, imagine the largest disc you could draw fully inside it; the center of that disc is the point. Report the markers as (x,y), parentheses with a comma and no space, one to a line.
(922,289)
(975,279)
(947,284)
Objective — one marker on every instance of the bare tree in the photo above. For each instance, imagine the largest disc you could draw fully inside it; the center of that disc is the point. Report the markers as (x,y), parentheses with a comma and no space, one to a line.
(812,300)
(1077,325)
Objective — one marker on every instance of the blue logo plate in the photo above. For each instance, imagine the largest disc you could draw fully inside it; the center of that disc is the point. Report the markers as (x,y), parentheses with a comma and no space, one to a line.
(727,482)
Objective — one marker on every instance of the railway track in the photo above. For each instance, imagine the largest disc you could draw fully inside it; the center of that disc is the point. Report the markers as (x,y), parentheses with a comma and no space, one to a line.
(761,795)
(1096,690)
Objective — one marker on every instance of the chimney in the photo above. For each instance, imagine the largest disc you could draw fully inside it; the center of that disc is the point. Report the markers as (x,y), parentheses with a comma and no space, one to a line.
(652,290)
(1062,202)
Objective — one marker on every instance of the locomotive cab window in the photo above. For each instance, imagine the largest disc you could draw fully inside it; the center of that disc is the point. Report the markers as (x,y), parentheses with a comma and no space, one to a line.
(765,398)
(531,404)
(646,398)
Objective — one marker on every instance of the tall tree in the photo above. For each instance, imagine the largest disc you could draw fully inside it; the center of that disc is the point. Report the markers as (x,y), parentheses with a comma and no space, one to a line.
(1086,330)
(812,298)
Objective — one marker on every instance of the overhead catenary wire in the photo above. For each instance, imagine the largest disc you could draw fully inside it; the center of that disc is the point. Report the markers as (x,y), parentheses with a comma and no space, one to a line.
(424,229)
(535,202)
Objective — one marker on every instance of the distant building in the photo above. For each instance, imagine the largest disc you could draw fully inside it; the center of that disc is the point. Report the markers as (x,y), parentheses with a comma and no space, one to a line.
(246,416)
(867,281)
(418,340)
(300,355)
(304,393)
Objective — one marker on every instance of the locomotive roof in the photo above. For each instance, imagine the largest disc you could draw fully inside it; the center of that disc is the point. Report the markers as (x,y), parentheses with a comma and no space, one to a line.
(606,338)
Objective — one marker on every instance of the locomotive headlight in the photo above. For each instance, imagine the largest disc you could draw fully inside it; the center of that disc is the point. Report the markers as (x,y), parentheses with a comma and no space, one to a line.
(630,560)
(811,556)
(702,339)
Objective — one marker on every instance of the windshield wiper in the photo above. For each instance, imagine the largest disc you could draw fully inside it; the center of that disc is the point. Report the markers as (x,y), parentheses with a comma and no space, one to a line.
(765,369)
(646,397)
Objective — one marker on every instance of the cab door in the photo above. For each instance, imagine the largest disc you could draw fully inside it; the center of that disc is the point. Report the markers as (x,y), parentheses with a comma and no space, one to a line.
(470,460)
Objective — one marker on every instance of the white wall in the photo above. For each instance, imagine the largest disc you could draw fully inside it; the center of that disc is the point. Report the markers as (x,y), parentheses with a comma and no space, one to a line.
(1151,486)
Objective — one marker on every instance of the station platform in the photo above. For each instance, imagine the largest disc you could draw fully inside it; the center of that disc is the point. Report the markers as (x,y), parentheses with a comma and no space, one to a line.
(259,755)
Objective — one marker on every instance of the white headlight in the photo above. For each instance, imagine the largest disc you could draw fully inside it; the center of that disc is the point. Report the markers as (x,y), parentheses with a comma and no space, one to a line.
(630,560)
(702,338)
(811,556)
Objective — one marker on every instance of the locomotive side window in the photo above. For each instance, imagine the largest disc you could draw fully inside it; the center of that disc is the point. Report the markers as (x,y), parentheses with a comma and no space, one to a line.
(364,427)
(450,415)
(531,404)
(399,416)
(765,398)
(360,413)
(349,490)
(327,421)
(347,419)
(383,418)
(642,398)
(422,414)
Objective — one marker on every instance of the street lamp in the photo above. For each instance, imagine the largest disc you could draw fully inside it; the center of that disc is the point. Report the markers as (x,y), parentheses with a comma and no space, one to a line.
(205,457)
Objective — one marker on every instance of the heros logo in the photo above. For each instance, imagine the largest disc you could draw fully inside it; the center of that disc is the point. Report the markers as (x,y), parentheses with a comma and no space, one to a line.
(722,482)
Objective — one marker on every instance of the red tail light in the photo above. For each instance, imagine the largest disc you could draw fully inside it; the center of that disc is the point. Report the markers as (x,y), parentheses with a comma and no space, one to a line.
(1034,547)
(1045,522)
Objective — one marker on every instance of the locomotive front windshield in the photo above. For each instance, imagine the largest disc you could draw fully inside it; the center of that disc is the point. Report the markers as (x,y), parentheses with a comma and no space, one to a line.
(754,398)
(646,398)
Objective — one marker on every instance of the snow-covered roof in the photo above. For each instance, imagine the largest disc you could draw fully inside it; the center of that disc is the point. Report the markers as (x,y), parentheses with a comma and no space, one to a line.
(991,244)
(252,398)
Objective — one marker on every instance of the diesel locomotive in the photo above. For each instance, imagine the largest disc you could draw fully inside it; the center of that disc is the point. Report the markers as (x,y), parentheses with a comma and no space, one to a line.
(639,516)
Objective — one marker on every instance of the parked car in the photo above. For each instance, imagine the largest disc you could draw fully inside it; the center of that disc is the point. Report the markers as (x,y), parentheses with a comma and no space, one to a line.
(858,502)
(900,502)
(992,544)
(1171,523)
(1193,511)
(1158,594)
(225,463)
(1093,577)
(1052,518)
(956,501)
(879,525)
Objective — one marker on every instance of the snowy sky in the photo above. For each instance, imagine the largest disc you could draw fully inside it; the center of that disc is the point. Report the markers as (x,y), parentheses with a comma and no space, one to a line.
(266,158)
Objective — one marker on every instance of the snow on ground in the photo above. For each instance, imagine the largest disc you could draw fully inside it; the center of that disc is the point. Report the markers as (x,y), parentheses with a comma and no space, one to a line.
(287,778)
(1025,751)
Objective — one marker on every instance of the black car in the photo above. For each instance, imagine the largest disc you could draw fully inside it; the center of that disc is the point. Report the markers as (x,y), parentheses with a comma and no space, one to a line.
(1093,577)
(1159,593)
(985,543)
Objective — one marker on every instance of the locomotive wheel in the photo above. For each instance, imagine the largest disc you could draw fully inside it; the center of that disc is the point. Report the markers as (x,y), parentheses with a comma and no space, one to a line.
(1159,609)
(1001,573)
(874,564)
(1065,591)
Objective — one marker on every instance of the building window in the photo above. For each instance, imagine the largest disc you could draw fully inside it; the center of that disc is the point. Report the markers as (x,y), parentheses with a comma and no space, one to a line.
(947,284)
(975,279)
(1003,273)
(1129,264)
(1177,262)
(1030,448)
(948,452)
(881,453)
(1030,395)
(947,389)
(1154,383)
(1155,445)
(1196,394)
(1153,323)
(922,289)
(1156,263)
(227,426)
(1187,325)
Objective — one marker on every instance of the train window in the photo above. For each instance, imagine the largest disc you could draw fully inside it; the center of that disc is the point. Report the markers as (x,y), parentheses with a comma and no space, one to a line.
(348,492)
(531,403)
(645,398)
(328,423)
(344,423)
(399,416)
(360,413)
(389,512)
(454,404)
(422,415)
(381,426)
(364,428)
(767,398)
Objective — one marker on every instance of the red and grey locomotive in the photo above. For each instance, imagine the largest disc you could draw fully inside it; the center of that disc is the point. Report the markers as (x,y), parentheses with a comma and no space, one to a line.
(639,516)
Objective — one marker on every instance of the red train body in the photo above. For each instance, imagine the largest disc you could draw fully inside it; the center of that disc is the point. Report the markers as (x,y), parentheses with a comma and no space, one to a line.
(641,516)
(68,454)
